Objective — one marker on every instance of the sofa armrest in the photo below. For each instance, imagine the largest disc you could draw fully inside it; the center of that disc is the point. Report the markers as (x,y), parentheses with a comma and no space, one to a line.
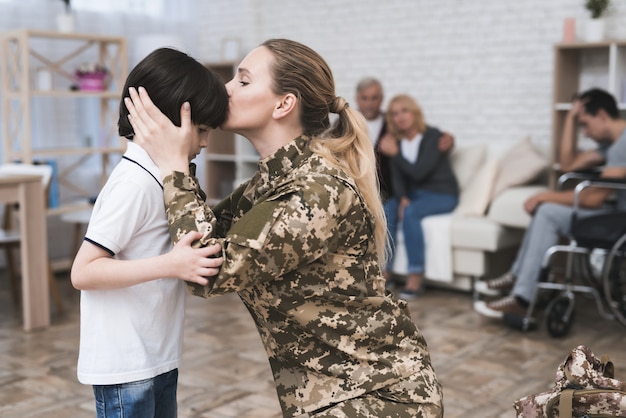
(508,207)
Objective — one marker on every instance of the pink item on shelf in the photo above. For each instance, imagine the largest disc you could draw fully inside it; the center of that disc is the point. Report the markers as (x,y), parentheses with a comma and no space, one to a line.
(569,30)
(92,82)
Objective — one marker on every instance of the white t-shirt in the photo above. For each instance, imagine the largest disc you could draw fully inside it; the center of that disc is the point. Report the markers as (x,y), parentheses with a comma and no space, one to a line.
(136,332)
(373,127)
(410,148)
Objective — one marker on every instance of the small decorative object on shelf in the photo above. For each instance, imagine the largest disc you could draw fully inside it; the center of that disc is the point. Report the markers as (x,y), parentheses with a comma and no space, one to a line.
(92,77)
(569,29)
(596,7)
(65,20)
(594,28)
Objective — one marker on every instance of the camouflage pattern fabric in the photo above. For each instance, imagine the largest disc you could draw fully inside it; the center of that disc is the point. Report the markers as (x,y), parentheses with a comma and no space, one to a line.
(298,249)
(584,386)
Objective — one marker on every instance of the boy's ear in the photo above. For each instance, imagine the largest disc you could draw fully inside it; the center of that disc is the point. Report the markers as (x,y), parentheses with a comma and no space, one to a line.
(285,106)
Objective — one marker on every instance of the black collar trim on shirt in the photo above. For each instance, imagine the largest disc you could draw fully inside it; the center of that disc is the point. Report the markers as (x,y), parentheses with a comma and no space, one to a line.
(146,170)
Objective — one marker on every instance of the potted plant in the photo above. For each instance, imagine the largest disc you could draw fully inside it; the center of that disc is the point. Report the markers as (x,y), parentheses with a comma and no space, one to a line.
(596,7)
(594,28)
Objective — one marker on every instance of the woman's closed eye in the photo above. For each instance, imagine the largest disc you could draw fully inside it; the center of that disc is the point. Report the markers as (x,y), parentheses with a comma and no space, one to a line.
(243,83)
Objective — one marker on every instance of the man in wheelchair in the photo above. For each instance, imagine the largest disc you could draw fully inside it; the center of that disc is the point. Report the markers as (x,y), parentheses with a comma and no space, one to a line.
(595,111)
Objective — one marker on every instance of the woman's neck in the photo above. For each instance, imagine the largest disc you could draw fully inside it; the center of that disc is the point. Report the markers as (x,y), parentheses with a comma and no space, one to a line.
(269,141)
(411,134)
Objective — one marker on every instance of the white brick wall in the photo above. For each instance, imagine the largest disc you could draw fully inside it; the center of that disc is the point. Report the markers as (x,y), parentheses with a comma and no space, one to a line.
(481,69)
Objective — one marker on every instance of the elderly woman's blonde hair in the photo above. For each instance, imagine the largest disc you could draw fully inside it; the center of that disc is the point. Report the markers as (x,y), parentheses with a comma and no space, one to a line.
(405,101)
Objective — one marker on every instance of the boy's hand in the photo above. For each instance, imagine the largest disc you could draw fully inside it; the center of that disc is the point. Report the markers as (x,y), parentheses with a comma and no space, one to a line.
(195,264)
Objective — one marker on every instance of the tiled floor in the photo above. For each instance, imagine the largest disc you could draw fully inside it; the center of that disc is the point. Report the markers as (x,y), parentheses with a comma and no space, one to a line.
(482,365)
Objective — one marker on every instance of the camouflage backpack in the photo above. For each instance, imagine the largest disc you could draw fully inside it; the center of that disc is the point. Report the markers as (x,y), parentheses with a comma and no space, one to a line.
(584,387)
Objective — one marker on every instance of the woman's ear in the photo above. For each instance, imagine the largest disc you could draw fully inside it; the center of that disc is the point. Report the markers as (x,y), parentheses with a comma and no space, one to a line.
(285,106)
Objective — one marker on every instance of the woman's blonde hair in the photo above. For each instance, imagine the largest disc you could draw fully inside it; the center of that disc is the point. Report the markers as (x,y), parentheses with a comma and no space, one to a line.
(299,70)
(410,103)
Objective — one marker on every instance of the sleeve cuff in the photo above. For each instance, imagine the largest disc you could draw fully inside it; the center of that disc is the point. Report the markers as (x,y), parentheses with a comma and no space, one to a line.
(181,181)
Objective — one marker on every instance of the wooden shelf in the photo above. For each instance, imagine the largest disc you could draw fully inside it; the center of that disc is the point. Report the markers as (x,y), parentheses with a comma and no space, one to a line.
(111,95)
(59,152)
(26,53)
(69,207)
(36,33)
(579,45)
(579,66)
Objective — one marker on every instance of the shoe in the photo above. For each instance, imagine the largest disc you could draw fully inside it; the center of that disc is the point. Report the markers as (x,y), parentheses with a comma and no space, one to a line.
(495,287)
(498,308)
(407,294)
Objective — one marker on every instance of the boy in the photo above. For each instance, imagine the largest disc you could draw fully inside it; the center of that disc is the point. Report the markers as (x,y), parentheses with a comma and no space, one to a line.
(132,311)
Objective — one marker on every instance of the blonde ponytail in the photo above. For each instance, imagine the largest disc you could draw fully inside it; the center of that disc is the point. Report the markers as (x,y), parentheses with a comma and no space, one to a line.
(299,70)
(347,146)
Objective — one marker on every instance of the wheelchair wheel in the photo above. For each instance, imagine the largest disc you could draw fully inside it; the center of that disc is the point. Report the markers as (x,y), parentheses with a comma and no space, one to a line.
(614,280)
(559,316)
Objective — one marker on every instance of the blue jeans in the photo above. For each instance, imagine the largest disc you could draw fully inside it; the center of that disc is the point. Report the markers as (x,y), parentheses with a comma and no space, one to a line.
(423,203)
(155,397)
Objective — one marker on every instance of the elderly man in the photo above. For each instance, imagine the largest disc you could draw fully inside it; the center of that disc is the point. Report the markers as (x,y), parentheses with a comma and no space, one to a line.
(369,98)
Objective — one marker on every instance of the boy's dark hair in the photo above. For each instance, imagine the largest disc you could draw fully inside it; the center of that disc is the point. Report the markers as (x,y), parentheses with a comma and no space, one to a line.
(596,99)
(171,78)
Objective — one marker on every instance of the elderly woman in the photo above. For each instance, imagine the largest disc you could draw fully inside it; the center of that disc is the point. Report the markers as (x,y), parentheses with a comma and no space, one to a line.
(422,179)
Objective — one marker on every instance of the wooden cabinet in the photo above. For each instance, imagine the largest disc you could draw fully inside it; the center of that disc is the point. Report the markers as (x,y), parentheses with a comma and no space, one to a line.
(581,66)
(39,66)
(229,158)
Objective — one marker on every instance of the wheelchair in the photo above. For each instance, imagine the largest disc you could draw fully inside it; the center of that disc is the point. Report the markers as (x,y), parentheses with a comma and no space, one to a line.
(595,264)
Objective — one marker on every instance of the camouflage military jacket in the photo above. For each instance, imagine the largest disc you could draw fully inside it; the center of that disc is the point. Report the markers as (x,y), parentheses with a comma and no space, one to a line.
(298,249)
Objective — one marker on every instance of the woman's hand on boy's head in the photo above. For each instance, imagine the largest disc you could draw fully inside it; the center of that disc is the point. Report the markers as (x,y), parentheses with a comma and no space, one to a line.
(167,144)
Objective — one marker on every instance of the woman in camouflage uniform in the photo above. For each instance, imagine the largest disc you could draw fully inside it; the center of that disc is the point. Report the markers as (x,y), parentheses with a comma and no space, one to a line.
(302,241)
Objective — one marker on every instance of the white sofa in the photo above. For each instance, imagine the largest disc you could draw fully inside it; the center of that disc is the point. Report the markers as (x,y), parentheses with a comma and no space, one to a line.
(481,237)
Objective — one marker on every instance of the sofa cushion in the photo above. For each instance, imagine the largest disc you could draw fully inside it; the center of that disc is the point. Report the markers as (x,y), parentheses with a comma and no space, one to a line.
(466,161)
(508,207)
(474,199)
(438,252)
(483,234)
(519,165)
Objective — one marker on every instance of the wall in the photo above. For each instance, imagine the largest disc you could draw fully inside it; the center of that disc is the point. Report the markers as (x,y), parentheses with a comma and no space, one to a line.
(481,70)
(80,118)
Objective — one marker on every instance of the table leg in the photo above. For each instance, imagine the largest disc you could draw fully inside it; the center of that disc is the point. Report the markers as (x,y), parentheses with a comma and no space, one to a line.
(34,256)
